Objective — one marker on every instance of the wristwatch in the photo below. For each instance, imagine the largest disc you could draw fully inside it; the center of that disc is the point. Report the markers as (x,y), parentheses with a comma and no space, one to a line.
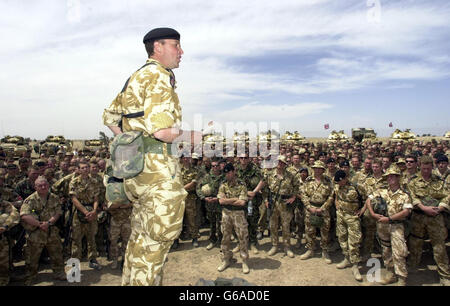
(390,220)
(49,223)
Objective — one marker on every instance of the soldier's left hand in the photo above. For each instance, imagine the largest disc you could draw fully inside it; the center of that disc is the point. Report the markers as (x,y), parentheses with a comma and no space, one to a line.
(383,220)
(43,226)
(359,213)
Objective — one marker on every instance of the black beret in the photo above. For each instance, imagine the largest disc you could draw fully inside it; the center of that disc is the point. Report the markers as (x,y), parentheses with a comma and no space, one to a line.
(11,166)
(331,160)
(228,167)
(344,163)
(161,33)
(322,154)
(304,169)
(442,158)
(339,176)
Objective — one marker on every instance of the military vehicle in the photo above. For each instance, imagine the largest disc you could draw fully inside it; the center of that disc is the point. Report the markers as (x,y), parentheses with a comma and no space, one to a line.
(14,146)
(406,135)
(447,135)
(52,144)
(93,145)
(363,134)
(337,136)
(294,138)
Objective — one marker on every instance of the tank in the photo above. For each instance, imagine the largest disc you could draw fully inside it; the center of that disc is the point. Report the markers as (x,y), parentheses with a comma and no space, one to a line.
(14,146)
(405,135)
(363,134)
(337,136)
(294,138)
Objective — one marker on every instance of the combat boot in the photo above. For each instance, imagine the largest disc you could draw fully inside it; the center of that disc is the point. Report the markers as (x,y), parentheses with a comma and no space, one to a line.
(326,257)
(236,249)
(289,253)
(401,281)
(254,248)
(245,268)
(210,246)
(445,282)
(356,273)
(389,279)
(272,251)
(307,255)
(343,264)
(175,244)
(114,264)
(225,264)
(195,242)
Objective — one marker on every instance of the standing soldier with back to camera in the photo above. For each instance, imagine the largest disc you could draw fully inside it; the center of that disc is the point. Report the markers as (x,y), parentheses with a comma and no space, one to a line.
(431,197)
(148,103)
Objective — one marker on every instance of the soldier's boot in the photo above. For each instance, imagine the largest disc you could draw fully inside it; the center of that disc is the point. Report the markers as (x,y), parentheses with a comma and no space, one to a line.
(195,242)
(175,244)
(389,278)
(225,264)
(94,264)
(326,257)
(356,274)
(445,282)
(343,264)
(114,264)
(259,236)
(245,268)
(210,246)
(236,249)
(272,251)
(307,255)
(289,252)
(401,281)
(254,248)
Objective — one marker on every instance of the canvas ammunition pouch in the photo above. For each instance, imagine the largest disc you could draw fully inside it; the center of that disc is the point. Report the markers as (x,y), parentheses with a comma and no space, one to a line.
(316,220)
(81,216)
(429,201)
(115,192)
(379,206)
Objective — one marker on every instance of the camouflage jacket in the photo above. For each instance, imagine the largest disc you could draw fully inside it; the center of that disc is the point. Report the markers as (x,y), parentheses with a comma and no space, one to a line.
(85,190)
(9,216)
(61,187)
(24,188)
(250,176)
(396,201)
(318,193)
(360,177)
(8,194)
(121,214)
(236,190)
(284,187)
(442,176)
(347,199)
(98,178)
(425,192)
(12,181)
(213,182)
(372,184)
(189,174)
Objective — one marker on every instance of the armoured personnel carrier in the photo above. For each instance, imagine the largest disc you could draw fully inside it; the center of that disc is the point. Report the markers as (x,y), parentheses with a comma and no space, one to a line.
(363,134)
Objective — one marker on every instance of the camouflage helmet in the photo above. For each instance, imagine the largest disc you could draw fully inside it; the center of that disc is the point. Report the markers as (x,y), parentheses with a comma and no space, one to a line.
(206,190)
(393,169)
(101,217)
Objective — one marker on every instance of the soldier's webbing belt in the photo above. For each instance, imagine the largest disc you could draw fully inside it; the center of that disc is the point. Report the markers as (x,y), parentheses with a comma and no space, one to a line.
(153,145)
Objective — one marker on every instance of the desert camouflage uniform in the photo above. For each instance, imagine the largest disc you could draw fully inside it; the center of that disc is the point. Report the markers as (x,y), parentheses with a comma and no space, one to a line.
(102,228)
(86,192)
(392,235)
(213,210)
(11,180)
(24,188)
(251,177)
(234,217)
(157,193)
(285,188)
(9,217)
(319,195)
(120,227)
(437,190)
(369,224)
(299,208)
(348,225)
(360,177)
(189,174)
(38,239)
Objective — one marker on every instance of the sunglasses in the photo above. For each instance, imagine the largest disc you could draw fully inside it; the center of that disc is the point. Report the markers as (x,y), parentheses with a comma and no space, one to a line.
(410,161)
(215,166)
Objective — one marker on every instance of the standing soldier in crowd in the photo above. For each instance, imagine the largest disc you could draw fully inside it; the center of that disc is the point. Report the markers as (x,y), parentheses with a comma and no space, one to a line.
(348,201)
(317,195)
(207,190)
(250,174)
(39,213)
(442,170)
(102,237)
(283,189)
(431,197)
(120,227)
(361,175)
(390,207)
(190,175)
(84,195)
(297,224)
(9,217)
(232,197)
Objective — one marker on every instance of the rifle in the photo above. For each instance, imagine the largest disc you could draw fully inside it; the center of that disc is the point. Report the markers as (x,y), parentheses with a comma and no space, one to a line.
(68,232)
(270,200)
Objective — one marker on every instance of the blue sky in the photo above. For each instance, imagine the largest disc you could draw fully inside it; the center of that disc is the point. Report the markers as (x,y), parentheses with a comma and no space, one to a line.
(301,64)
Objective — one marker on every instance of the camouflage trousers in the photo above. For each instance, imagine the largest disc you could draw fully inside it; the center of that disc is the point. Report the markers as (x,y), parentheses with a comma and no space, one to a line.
(253,223)
(234,219)
(284,212)
(214,216)
(80,230)
(33,249)
(348,229)
(310,231)
(369,229)
(435,227)
(4,260)
(190,216)
(299,221)
(262,221)
(393,243)
(120,228)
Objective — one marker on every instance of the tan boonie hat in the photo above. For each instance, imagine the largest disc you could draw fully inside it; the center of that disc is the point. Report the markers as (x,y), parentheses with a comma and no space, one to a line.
(301,151)
(401,161)
(282,159)
(194,156)
(393,169)
(318,164)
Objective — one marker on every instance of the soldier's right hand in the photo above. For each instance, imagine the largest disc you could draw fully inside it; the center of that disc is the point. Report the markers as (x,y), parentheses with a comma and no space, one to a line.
(267,204)
(430,211)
